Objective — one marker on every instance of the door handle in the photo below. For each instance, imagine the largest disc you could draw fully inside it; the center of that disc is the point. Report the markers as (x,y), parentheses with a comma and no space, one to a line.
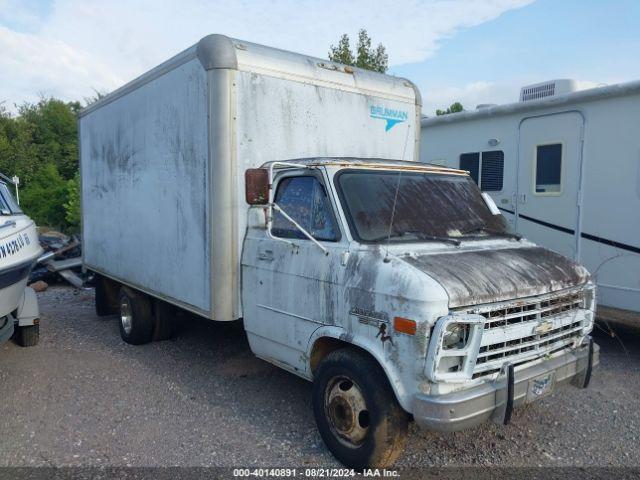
(266,255)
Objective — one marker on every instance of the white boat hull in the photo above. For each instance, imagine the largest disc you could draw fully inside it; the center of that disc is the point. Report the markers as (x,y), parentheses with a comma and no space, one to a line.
(19,250)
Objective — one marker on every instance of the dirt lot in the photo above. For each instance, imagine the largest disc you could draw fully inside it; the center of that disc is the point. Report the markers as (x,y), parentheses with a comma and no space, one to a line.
(83,397)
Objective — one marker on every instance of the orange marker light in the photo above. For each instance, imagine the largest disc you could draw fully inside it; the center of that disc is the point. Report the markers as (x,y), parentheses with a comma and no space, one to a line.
(404,325)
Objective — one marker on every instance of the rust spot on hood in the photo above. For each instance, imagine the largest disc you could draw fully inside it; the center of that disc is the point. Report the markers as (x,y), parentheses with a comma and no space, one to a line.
(486,276)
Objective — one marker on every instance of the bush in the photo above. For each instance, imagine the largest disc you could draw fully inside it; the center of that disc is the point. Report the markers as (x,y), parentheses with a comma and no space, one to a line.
(40,145)
(72,205)
(44,197)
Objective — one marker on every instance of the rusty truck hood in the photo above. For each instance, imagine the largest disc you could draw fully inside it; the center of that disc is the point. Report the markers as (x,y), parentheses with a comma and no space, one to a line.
(484,276)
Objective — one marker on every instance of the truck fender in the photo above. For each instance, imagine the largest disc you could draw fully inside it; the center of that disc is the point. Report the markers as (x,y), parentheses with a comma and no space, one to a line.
(341,335)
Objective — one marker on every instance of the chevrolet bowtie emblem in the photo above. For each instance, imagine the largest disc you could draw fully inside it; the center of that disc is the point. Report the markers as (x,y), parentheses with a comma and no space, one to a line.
(543,327)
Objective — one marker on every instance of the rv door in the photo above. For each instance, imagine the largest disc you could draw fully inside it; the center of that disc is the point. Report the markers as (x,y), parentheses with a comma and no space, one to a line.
(549,164)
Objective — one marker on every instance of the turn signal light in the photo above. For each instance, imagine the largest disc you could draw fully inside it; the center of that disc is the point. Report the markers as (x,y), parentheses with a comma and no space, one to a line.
(404,325)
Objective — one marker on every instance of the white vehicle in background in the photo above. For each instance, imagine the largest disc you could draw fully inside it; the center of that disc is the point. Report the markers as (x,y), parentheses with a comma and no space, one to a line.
(563,166)
(19,250)
(219,183)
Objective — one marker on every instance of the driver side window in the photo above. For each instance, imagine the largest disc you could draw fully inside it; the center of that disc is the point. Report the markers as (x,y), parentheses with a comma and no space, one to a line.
(305,200)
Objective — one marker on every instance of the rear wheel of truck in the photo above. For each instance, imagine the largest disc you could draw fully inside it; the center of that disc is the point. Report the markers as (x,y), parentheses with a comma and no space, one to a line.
(27,336)
(136,321)
(106,296)
(356,411)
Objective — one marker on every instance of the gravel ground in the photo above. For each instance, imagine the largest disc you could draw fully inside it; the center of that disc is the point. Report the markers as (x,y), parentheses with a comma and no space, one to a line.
(83,397)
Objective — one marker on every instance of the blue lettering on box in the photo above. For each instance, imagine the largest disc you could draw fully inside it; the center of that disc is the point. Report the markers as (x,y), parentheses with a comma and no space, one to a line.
(390,115)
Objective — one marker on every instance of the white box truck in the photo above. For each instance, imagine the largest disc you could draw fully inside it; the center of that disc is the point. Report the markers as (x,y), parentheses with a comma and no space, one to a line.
(238,181)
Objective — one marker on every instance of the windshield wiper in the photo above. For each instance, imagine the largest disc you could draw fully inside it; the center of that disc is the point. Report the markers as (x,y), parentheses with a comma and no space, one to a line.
(419,236)
(436,238)
(491,231)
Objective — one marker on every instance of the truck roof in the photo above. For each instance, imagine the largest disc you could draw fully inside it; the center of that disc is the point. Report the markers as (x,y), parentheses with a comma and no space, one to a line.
(379,163)
(217,51)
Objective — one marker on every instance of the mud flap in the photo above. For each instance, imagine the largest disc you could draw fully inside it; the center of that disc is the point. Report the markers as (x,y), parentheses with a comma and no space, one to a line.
(582,379)
(504,395)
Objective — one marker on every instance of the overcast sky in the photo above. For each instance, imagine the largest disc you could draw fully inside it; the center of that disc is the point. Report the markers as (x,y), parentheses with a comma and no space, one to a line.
(474,51)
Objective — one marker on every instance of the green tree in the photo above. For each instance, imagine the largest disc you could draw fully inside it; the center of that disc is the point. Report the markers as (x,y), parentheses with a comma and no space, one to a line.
(365,57)
(342,53)
(39,144)
(72,205)
(18,154)
(98,94)
(44,197)
(54,132)
(453,108)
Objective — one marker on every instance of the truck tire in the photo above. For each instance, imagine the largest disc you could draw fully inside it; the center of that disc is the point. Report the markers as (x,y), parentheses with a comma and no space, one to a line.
(106,298)
(356,411)
(27,336)
(136,321)
(163,321)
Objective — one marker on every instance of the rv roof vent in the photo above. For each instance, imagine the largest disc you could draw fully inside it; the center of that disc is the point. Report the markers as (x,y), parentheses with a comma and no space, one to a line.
(547,89)
(482,106)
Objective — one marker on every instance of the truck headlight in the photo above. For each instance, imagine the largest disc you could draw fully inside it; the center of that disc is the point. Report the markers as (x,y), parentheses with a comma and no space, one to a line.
(453,348)
(455,335)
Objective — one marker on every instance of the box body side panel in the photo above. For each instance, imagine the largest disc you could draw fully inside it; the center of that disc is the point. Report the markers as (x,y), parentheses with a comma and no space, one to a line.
(145,187)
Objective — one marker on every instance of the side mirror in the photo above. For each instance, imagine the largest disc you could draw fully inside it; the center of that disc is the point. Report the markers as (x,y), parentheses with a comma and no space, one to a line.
(256,185)
(491,205)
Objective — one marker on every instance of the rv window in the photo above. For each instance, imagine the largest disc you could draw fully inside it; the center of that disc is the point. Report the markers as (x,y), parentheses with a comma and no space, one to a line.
(487,172)
(492,171)
(548,167)
(471,163)
(305,200)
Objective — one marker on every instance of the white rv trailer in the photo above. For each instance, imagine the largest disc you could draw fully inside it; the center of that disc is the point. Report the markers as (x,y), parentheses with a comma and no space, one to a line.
(563,166)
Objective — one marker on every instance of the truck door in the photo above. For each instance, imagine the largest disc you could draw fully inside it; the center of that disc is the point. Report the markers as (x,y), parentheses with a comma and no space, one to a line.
(549,163)
(288,281)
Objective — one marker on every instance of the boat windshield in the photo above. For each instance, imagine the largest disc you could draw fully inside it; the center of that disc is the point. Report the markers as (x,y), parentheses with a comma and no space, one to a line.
(428,206)
(8,205)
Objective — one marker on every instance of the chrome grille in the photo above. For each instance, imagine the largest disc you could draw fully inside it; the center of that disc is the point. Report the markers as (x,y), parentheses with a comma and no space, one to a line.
(524,311)
(527,329)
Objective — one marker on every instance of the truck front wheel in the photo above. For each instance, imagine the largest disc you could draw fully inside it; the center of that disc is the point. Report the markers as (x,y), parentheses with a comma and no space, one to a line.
(356,411)
(136,321)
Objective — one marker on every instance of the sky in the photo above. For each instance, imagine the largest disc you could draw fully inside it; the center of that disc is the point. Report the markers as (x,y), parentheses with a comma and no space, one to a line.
(472,51)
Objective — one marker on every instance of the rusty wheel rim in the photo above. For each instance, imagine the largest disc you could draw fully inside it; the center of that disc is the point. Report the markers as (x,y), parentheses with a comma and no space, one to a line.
(347,411)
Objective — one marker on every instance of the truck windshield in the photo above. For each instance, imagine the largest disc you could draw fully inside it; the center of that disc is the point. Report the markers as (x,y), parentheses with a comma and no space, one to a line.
(429,206)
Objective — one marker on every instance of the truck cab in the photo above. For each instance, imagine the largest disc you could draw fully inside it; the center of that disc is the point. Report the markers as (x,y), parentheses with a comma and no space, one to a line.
(397,288)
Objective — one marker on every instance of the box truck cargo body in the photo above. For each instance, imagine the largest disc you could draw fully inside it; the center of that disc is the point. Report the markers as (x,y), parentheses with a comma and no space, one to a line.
(169,149)
(240,181)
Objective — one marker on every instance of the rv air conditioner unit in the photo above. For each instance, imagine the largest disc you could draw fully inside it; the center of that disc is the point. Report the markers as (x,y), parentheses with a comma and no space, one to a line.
(551,88)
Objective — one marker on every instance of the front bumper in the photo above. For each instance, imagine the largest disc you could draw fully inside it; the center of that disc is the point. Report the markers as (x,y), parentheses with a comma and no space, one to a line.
(495,400)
